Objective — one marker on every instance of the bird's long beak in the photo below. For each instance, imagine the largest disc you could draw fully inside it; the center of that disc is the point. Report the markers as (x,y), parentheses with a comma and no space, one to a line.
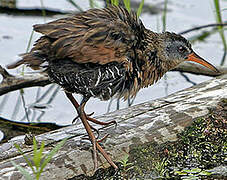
(196,58)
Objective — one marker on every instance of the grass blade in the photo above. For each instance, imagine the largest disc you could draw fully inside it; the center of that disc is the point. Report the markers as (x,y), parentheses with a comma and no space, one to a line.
(220,28)
(91,3)
(25,157)
(139,10)
(75,5)
(52,153)
(127,5)
(23,171)
(115,2)
(38,154)
(43,10)
(164,16)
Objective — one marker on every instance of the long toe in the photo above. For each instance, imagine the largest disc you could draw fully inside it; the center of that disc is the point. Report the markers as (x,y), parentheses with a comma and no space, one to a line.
(100,122)
(95,156)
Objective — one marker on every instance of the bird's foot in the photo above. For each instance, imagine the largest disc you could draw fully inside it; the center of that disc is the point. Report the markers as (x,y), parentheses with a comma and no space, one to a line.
(95,120)
(97,147)
(100,122)
(77,117)
(101,140)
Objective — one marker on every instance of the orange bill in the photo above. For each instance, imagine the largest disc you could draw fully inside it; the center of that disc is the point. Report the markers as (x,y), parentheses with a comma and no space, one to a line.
(196,58)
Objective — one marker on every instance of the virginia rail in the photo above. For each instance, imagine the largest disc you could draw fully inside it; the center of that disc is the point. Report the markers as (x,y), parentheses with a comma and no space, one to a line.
(105,53)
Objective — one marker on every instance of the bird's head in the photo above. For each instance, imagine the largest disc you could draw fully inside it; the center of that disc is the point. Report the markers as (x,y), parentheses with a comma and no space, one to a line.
(176,49)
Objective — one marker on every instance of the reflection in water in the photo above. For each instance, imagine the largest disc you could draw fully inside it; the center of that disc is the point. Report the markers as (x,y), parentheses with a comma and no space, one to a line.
(36,110)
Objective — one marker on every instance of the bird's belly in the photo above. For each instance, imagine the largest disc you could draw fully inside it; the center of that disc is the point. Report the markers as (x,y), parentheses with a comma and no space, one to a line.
(91,80)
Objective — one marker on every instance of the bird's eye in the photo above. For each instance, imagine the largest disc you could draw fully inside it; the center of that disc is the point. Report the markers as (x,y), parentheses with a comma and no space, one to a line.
(181,49)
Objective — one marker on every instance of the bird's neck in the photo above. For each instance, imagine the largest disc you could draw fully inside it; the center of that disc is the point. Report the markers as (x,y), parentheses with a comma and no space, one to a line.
(155,64)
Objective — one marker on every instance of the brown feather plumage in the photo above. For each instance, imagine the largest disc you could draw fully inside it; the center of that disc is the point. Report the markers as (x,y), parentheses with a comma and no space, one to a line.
(92,36)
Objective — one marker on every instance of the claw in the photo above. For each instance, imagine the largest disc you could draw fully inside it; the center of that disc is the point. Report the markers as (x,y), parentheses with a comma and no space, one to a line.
(96,130)
(100,140)
(100,122)
(90,114)
(75,119)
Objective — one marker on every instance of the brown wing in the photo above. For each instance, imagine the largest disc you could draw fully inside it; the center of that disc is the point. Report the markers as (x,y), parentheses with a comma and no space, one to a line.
(97,35)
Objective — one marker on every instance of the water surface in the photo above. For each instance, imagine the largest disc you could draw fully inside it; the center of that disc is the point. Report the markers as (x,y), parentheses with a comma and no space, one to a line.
(16,30)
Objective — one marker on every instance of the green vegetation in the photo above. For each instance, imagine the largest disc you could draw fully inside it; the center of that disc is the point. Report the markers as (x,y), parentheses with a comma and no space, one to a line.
(164,16)
(220,28)
(139,10)
(127,4)
(39,160)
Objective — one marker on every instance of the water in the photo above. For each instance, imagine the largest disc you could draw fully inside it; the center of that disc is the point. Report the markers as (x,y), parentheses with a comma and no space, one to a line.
(14,36)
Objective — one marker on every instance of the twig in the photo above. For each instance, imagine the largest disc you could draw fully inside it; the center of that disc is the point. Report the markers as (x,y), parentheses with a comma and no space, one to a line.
(204,26)
(187,78)
(12,83)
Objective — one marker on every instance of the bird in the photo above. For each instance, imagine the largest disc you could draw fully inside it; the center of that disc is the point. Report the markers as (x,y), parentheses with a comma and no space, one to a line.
(105,53)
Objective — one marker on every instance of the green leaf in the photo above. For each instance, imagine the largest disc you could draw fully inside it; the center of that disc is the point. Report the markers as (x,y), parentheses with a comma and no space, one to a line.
(51,154)
(205,173)
(23,171)
(127,5)
(35,156)
(180,172)
(25,157)
(220,28)
(115,2)
(38,156)
(139,10)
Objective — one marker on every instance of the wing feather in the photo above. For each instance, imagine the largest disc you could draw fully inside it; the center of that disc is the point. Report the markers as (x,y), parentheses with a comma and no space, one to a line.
(96,36)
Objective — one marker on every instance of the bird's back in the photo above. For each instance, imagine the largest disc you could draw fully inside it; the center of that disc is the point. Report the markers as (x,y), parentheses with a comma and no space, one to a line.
(93,53)
(96,36)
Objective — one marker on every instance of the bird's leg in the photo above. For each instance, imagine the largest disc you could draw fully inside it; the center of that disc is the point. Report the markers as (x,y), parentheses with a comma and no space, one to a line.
(89,131)
(76,105)
(92,137)
(80,110)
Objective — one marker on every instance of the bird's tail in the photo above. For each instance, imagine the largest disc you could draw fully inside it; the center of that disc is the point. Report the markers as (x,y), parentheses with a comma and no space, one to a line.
(34,60)
(37,57)
(15,64)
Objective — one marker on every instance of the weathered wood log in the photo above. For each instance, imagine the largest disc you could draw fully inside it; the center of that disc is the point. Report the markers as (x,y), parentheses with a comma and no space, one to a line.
(159,120)
(12,83)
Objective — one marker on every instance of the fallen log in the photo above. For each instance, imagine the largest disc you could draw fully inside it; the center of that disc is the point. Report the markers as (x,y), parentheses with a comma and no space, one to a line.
(153,121)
